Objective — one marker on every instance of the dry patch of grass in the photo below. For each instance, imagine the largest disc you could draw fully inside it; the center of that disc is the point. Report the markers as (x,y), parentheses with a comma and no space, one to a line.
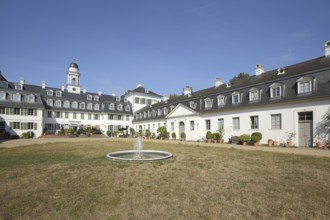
(74,181)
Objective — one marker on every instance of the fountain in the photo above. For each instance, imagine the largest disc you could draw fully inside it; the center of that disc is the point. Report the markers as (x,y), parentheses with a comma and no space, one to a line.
(138,154)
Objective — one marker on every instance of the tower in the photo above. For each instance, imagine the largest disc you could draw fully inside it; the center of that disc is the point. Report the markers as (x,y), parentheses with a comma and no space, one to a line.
(73,85)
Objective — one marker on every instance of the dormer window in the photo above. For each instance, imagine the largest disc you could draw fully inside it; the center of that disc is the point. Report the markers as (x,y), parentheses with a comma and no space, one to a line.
(159,112)
(236,98)
(165,110)
(50,92)
(304,85)
(144,115)
(193,105)
(82,105)
(96,98)
(50,102)
(74,104)
(96,107)
(66,104)
(154,113)
(280,71)
(125,100)
(120,107)
(18,87)
(58,93)
(117,99)
(58,103)
(3,95)
(149,114)
(16,97)
(172,107)
(253,95)
(276,91)
(30,98)
(89,97)
(127,108)
(208,103)
(111,106)
(221,100)
(89,106)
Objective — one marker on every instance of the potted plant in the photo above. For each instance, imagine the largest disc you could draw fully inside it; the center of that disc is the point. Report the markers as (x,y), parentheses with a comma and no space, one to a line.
(132,131)
(183,136)
(255,138)
(244,138)
(209,136)
(173,136)
(275,143)
(162,132)
(319,142)
(216,137)
(221,133)
(270,142)
(148,133)
(291,136)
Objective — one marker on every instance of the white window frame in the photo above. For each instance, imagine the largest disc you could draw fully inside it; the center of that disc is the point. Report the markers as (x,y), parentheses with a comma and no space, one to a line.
(30,98)
(50,92)
(275,124)
(89,97)
(3,95)
(74,105)
(254,122)
(50,102)
(233,97)
(96,107)
(58,93)
(221,100)
(82,105)
(127,108)
(304,82)
(236,123)
(276,91)
(193,104)
(58,103)
(66,104)
(165,110)
(253,95)
(208,103)
(96,98)
(90,106)
(120,107)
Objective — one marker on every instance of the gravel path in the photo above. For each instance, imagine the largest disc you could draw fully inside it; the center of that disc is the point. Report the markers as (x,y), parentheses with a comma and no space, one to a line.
(299,151)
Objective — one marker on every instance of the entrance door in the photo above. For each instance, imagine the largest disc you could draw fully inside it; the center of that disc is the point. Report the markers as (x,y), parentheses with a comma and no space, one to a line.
(305,129)
(181,127)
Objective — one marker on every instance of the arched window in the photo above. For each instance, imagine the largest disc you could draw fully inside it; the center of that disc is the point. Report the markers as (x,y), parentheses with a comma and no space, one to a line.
(58,103)
(127,108)
(305,85)
(253,95)
(82,105)
(66,104)
(74,104)
(3,95)
(30,98)
(111,106)
(208,103)
(221,100)
(235,98)
(50,102)
(276,91)
(89,106)
(193,105)
(120,107)
(96,107)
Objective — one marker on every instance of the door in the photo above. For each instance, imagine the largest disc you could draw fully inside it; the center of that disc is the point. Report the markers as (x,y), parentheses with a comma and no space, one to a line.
(305,129)
(181,127)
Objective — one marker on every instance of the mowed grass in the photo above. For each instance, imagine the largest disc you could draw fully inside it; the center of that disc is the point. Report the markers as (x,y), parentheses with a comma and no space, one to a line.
(76,181)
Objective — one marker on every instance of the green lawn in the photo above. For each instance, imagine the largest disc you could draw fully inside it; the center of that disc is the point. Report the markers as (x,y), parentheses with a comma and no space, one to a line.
(76,181)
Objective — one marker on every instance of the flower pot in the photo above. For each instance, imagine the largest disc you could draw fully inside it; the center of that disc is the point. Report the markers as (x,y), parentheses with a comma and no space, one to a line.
(275,143)
(256,143)
(270,142)
(319,145)
(289,144)
(209,140)
(221,141)
(244,143)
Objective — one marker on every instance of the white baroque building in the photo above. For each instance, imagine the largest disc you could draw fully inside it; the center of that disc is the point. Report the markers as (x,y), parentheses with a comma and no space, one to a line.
(277,103)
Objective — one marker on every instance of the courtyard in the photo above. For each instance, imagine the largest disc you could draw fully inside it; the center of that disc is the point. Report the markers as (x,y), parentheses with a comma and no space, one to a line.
(72,179)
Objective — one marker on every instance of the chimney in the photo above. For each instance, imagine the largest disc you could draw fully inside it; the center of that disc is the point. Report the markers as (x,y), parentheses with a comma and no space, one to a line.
(218,82)
(21,81)
(187,90)
(259,69)
(327,49)
(100,93)
(84,91)
(62,88)
(43,84)
(138,85)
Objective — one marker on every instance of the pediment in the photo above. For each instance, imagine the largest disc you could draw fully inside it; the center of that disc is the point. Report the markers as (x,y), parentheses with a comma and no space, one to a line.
(181,111)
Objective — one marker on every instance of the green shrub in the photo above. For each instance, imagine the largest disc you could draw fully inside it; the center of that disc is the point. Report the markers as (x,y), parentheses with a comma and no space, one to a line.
(216,136)
(162,132)
(173,135)
(148,133)
(209,135)
(244,137)
(256,136)
(183,135)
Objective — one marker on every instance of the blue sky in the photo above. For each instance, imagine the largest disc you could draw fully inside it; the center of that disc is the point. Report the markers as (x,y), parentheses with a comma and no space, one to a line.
(164,44)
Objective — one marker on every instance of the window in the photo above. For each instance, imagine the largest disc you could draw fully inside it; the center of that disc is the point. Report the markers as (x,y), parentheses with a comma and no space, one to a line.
(154,113)
(208,124)
(145,114)
(165,110)
(148,101)
(49,114)
(31,111)
(208,103)
(89,106)
(125,100)
(96,98)
(172,126)
(50,92)
(89,116)
(221,100)
(192,125)
(120,107)
(236,98)
(137,100)
(66,104)
(29,98)
(159,112)
(89,97)
(16,111)
(127,117)
(74,115)
(110,117)
(14,125)
(117,99)
(253,95)
(236,124)
(58,114)
(304,85)
(112,106)
(275,91)
(74,104)
(221,123)
(50,102)
(276,121)
(66,115)
(18,86)
(58,103)
(127,108)
(58,93)
(96,107)
(82,116)
(172,107)
(17,97)
(142,101)
(2,95)
(254,122)
(82,105)
(193,105)
(119,117)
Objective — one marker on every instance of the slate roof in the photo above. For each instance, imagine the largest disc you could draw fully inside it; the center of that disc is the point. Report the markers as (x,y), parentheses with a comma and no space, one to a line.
(318,68)
(143,91)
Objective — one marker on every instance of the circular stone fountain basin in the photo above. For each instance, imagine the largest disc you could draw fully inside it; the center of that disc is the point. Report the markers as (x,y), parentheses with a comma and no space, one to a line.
(143,155)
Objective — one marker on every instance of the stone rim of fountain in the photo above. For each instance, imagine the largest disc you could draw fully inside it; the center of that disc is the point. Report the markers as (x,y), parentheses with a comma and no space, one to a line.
(114,155)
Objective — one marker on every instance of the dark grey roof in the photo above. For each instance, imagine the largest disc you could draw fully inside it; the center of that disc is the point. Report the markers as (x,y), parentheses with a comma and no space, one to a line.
(318,68)
(2,78)
(144,91)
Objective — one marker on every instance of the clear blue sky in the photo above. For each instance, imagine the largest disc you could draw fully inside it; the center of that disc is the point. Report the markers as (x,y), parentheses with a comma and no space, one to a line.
(164,44)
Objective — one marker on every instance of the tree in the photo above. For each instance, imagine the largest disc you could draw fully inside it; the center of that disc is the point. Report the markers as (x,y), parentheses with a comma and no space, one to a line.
(162,132)
(173,96)
(240,76)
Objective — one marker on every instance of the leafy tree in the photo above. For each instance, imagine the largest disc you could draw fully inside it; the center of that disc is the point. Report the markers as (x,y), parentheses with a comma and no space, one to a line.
(240,76)
(173,96)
